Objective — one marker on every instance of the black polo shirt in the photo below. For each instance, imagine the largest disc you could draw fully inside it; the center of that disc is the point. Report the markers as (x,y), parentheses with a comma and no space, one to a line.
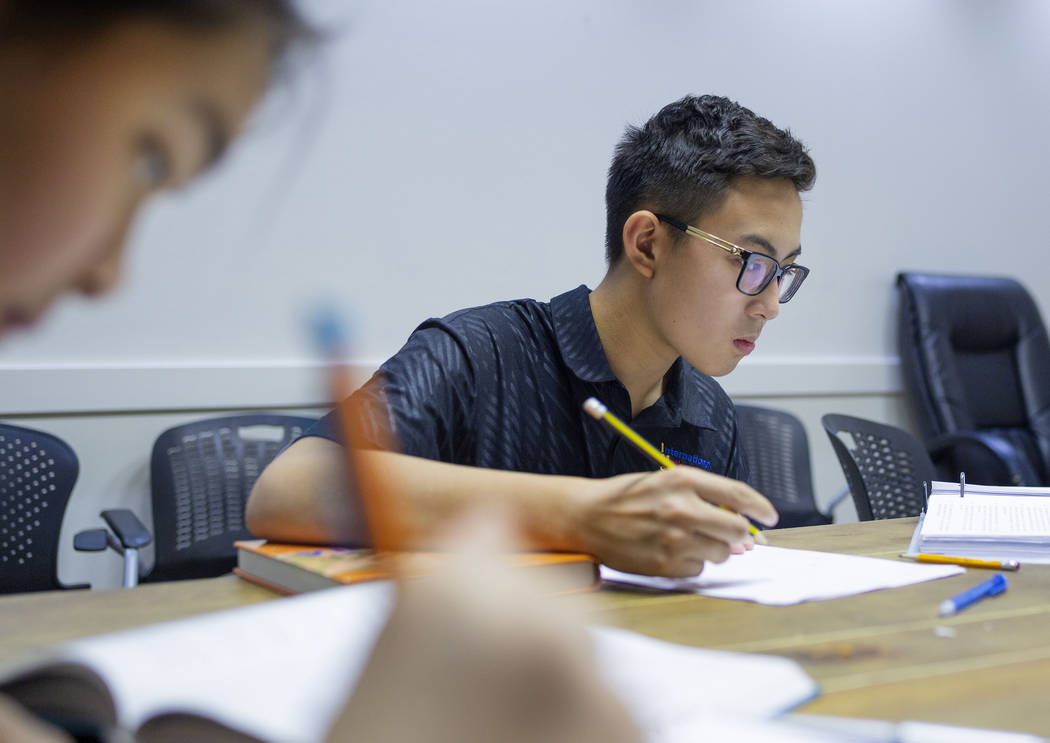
(502,386)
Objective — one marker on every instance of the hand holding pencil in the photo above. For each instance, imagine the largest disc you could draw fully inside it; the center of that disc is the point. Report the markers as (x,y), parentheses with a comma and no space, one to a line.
(598,411)
(663,523)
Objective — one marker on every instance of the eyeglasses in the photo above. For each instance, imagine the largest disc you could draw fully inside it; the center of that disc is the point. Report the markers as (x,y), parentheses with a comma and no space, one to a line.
(758,269)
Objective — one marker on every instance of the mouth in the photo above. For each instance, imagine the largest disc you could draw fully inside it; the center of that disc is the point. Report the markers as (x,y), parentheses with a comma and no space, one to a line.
(744,345)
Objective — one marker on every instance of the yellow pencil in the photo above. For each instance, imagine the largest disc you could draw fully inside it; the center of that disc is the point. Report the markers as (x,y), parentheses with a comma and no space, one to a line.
(968,562)
(598,411)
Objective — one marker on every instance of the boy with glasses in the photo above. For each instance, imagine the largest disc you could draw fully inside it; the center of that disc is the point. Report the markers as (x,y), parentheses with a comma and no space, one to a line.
(703,225)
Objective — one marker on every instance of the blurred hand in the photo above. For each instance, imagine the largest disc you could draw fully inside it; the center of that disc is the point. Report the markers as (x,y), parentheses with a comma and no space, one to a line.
(476,653)
(18,726)
(668,522)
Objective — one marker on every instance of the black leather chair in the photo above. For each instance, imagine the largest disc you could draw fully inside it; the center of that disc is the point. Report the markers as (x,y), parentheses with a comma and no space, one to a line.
(777,451)
(976,364)
(37,474)
(885,467)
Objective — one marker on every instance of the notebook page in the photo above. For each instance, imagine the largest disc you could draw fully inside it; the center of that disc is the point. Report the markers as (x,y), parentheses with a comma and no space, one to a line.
(278,670)
(705,684)
(281,670)
(1014,517)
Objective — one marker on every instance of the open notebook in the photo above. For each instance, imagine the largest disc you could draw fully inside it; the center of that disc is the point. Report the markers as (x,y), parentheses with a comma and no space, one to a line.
(280,671)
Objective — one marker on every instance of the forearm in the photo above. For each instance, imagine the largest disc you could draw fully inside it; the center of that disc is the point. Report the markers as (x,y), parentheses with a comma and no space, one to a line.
(658,523)
(303,496)
(428,494)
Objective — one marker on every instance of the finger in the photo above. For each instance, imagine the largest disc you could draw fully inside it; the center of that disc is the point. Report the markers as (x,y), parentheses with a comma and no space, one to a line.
(698,517)
(735,495)
(690,561)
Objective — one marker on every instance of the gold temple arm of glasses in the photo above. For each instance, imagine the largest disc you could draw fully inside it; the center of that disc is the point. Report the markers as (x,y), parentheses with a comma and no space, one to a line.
(713,239)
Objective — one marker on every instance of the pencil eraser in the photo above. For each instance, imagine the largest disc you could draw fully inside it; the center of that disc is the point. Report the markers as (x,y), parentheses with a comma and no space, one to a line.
(594,408)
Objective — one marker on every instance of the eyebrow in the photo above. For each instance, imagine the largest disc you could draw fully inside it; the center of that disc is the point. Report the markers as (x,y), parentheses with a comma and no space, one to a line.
(216,133)
(768,249)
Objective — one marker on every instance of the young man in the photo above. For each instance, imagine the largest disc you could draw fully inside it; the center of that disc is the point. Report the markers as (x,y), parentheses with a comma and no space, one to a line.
(703,225)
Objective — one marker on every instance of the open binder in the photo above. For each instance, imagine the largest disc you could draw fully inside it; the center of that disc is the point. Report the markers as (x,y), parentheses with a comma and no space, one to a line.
(989,522)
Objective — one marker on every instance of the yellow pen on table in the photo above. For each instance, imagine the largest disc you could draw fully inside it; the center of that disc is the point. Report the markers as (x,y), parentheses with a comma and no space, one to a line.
(597,410)
(969,562)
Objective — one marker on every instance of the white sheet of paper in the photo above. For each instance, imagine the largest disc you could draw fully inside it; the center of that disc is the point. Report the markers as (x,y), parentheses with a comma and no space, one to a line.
(666,686)
(779,576)
(860,730)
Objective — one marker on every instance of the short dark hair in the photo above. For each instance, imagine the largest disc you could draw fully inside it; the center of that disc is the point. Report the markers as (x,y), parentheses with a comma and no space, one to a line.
(29,20)
(683,159)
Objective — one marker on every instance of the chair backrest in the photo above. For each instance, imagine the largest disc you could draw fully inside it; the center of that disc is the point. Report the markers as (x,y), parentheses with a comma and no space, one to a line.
(201,474)
(37,474)
(777,451)
(885,466)
(976,358)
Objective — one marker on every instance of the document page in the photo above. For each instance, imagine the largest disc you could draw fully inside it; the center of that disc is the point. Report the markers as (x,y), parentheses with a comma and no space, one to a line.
(779,576)
(1013,517)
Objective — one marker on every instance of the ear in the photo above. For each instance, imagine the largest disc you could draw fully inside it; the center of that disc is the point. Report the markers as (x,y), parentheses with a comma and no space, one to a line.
(641,233)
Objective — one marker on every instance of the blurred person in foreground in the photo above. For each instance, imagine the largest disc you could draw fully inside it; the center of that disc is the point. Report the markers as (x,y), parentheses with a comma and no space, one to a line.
(108,103)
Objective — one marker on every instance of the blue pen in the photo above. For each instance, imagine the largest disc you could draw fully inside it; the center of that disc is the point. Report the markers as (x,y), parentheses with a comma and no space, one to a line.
(991,587)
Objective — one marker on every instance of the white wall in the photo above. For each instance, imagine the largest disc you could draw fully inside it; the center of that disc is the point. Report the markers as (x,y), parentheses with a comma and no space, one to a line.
(439,155)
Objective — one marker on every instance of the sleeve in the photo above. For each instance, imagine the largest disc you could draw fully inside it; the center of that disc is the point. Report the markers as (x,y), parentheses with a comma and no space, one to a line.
(421,398)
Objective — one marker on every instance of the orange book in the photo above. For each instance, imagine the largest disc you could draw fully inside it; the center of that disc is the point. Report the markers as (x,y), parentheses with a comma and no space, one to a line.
(296,568)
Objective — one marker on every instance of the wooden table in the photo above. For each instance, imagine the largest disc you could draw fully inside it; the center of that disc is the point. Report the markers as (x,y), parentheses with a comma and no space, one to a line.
(883,655)
(886,654)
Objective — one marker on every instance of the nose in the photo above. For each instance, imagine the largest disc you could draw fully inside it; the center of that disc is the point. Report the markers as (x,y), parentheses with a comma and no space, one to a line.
(102,276)
(766,304)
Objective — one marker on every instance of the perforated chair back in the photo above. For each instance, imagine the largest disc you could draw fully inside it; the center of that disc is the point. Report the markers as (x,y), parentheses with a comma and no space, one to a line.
(201,474)
(885,467)
(37,474)
(777,450)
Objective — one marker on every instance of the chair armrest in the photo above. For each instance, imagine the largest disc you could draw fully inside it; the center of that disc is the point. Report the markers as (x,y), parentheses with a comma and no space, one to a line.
(833,504)
(130,532)
(91,540)
(985,458)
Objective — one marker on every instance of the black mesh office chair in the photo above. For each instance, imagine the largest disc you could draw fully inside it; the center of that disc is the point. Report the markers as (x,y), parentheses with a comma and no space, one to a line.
(885,467)
(201,474)
(976,364)
(37,474)
(777,450)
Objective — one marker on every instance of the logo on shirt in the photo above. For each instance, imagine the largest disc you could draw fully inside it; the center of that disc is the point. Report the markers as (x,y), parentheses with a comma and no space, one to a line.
(680,457)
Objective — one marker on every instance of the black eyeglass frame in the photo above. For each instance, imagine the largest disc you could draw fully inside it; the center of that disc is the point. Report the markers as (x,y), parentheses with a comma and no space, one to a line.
(801,272)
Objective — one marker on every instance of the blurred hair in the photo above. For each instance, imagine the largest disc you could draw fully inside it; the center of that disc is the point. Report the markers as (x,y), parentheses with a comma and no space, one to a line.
(682,161)
(69,20)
